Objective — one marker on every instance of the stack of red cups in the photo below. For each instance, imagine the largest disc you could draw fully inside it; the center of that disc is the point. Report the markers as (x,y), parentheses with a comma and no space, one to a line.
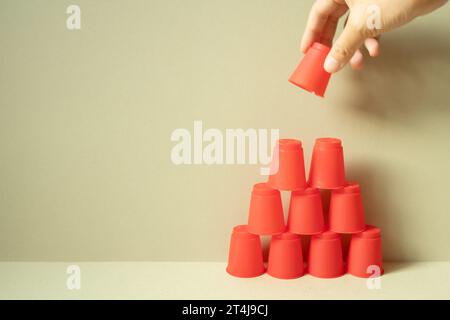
(306,219)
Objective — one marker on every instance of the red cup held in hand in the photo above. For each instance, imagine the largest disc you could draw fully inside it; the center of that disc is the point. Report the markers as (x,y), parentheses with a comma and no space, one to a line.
(310,74)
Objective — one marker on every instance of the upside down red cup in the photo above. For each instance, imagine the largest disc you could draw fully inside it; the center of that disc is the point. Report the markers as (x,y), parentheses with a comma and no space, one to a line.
(288,166)
(305,212)
(346,214)
(285,256)
(245,257)
(327,164)
(364,254)
(266,215)
(310,74)
(325,258)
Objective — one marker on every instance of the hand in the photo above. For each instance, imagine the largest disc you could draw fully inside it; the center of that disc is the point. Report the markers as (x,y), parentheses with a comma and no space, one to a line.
(366,21)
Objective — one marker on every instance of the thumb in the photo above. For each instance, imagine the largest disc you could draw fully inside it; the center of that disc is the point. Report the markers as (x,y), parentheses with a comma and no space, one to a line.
(350,40)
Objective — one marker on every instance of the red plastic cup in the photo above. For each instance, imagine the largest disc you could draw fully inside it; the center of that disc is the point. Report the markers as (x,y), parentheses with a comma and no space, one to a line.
(266,215)
(365,254)
(325,256)
(245,258)
(310,74)
(346,213)
(285,256)
(327,164)
(288,166)
(305,212)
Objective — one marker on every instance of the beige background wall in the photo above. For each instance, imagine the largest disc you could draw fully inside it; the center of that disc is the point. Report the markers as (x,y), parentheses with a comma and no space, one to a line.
(86,118)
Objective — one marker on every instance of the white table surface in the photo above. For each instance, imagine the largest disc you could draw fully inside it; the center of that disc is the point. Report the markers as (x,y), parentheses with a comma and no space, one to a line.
(208,280)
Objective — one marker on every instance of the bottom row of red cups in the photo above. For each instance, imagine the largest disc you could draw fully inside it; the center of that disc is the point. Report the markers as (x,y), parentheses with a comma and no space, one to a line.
(325,258)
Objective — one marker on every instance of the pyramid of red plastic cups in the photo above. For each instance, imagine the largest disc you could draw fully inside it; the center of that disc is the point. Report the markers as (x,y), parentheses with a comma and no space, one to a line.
(305,212)
(288,166)
(266,211)
(245,258)
(325,259)
(310,74)
(306,218)
(346,213)
(365,255)
(327,164)
(285,256)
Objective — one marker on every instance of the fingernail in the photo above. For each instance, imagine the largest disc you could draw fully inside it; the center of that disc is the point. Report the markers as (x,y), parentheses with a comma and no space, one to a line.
(331,64)
(372,47)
